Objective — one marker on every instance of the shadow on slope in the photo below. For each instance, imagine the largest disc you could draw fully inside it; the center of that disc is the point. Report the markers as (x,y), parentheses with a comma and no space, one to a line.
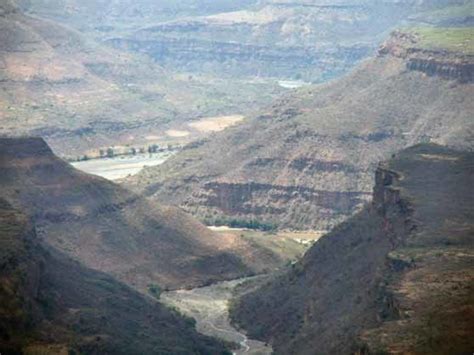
(395,278)
(111,229)
(50,304)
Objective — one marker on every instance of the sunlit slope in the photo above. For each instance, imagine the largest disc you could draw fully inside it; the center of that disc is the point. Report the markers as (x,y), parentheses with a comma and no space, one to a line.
(113,230)
(62,84)
(308,160)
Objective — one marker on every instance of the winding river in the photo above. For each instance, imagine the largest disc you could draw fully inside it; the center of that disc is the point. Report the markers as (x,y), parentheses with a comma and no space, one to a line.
(209,306)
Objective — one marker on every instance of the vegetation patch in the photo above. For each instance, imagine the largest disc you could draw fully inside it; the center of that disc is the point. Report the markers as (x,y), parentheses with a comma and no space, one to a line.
(242,223)
(450,39)
(155,290)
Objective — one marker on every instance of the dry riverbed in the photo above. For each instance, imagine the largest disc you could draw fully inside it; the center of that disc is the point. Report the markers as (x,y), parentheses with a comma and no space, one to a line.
(209,306)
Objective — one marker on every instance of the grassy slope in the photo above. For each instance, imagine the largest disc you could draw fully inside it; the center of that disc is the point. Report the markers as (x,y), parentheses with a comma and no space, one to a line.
(52,305)
(459,40)
(395,278)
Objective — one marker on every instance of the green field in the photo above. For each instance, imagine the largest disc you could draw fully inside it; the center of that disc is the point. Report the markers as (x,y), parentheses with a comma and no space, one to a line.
(452,39)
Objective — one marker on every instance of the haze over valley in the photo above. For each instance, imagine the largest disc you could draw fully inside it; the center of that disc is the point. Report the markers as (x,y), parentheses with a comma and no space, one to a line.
(236,177)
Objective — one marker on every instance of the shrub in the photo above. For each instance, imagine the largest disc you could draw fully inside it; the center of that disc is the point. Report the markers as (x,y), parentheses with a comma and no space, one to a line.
(155,290)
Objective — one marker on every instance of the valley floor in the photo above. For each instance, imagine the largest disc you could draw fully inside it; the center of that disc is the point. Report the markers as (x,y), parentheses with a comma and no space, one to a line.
(209,306)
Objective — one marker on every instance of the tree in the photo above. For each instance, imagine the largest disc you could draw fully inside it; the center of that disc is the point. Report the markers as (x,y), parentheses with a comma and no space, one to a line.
(110,153)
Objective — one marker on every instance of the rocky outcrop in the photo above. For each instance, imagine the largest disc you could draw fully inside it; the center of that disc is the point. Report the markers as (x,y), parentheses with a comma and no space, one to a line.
(395,278)
(292,40)
(233,199)
(464,71)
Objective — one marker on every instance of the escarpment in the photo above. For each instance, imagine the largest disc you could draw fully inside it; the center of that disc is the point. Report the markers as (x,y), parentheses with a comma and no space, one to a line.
(205,55)
(395,278)
(293,40)
(274,201)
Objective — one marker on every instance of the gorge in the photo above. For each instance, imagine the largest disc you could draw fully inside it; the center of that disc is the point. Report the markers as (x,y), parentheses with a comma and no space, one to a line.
(253,177)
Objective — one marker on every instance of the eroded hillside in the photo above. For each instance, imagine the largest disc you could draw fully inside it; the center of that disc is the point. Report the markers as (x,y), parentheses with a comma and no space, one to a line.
(395,278)
(308,161)
(111,229)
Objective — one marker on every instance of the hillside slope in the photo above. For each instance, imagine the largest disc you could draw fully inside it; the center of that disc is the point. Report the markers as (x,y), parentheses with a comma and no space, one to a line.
(50,304)
(63,85)
(108,228)
(308,161)
(397,277)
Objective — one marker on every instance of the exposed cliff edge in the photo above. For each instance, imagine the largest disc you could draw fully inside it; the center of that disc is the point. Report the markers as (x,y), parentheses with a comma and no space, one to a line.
(395,278)
(445,63)
(111,229)
(307,162)
(50,304)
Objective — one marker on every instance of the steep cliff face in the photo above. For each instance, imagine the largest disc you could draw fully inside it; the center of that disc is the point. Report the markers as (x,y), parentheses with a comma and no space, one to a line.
(395,278)
(241,60)
(112,229)
(308,160)
(50,304)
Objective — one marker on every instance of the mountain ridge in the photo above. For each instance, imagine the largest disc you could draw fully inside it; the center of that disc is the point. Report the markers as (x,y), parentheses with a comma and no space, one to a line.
(111,229)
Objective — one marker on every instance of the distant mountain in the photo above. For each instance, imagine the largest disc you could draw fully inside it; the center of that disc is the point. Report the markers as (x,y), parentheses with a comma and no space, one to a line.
(89,14)
(50,304)
(111,229)
(310,40)
(396,278)
(307,161)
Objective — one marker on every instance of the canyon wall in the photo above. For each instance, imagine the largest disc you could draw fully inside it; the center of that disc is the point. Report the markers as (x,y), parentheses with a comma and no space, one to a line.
(394,278)
(307,161)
